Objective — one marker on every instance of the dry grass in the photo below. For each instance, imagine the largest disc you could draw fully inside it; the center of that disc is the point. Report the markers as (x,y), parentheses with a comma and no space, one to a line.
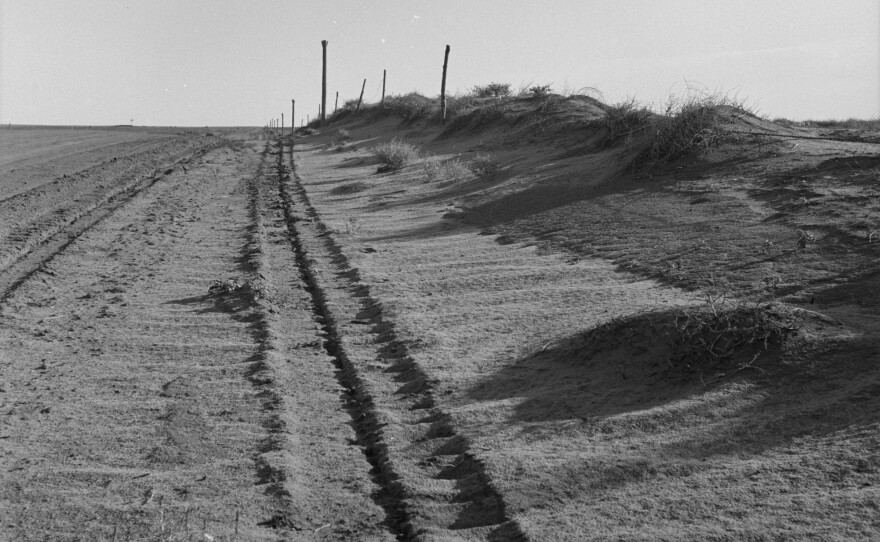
(412,106)
(625,119)
(485,166)
(690,124)
(491,90)
(445,170)
(395,154)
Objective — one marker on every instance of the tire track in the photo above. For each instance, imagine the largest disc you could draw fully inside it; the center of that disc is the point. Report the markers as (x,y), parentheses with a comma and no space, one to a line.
(321,486)
(432,485)
(32,258)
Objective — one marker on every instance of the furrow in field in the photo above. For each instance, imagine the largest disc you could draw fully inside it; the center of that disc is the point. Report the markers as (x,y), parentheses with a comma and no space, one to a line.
(36,226)
(121,417)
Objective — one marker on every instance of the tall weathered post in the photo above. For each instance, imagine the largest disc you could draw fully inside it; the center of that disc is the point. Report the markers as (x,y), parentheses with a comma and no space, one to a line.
(361,99)
(324,85)
(336,105)
(384,73)
(443,87)
(292,116)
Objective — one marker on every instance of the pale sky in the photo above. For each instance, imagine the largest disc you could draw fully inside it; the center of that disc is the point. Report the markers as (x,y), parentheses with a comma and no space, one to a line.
(239,62)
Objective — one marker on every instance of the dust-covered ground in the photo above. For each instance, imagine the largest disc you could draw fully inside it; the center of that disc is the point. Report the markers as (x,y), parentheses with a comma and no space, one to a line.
(241,336)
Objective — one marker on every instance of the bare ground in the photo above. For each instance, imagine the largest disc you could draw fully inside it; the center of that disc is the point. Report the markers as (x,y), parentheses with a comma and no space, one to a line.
(232,339)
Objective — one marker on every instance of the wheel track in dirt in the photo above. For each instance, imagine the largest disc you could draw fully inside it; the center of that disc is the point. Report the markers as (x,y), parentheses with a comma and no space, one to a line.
(432,487)
(280,387)
(54,237)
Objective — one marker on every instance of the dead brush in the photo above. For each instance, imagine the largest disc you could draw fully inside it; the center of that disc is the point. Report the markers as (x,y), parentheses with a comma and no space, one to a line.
(231,286)
(485,166)
(625,119)
(690,124)
(436,169)
(711,339)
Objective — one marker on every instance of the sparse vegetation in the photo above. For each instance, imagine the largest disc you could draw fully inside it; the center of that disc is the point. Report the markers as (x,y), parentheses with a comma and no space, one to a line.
(625,119)
(485,166)
(449,170)
(704,339)
(395,154)
(690,124)
(710,341)
(540,91)
(411,106)
(492,90)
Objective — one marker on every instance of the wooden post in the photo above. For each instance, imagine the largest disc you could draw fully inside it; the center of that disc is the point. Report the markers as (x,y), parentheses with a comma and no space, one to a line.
(292,116)
(443,87)
(361,99)
(324,85)
(336,105)
(282,124)
(384,72)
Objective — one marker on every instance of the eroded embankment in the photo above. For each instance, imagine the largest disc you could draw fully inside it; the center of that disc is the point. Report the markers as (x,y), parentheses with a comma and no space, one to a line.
(582,439)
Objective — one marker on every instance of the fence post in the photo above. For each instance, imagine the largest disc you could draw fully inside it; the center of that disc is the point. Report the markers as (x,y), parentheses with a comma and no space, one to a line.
(384,73)
(361,99)
(282,128)
(336,105)
(443,87)
(324,85)
(292,117)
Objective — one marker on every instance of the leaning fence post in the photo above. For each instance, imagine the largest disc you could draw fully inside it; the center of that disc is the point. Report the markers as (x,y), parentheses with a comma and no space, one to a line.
(361,99)
(384,72)
(443,87)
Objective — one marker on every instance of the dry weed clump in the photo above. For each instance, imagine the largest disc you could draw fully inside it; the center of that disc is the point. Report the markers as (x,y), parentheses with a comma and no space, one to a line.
(485,166)
(491,90)
(445,170)
(411,107)
(395,154)
(690,124)
(704,339)
(711,341)
(624,119)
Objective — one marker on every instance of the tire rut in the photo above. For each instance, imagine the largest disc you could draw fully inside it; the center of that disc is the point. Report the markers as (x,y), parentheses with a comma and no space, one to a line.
(432,485)
(289,326)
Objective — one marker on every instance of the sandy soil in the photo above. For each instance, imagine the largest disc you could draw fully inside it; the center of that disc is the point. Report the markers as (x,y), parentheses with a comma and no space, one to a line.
(137,405)
(494,288)
(230,338)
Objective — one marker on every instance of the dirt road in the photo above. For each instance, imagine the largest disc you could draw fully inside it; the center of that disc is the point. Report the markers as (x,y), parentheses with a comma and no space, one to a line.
(137,405)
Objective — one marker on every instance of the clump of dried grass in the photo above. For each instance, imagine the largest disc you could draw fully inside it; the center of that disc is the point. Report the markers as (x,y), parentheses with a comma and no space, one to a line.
(395,154)
(445,170)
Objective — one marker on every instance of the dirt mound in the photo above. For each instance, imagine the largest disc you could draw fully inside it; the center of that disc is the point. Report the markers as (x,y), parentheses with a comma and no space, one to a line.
(709,342)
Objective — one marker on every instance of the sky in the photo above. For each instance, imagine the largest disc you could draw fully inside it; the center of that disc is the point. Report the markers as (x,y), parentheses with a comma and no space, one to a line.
(240,62)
